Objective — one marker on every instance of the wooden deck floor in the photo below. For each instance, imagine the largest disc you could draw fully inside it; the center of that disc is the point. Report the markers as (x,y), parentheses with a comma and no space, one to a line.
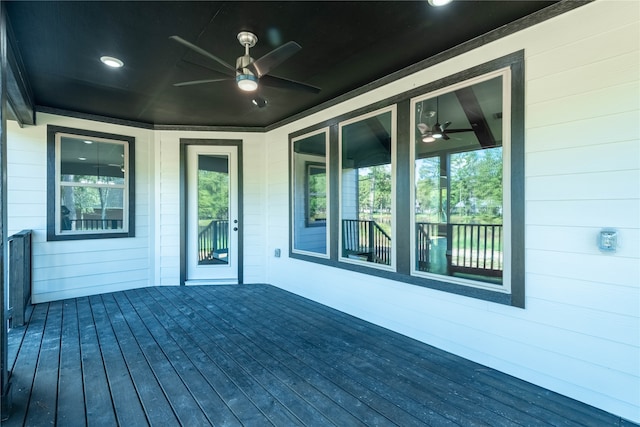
(252,355)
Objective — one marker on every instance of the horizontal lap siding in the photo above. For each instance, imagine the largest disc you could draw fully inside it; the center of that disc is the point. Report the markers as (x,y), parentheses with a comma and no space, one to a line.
(583,174)
(167,212)
(579,333)
(64,269)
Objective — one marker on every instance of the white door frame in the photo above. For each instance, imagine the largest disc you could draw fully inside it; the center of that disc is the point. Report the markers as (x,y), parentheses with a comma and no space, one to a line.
(210,274)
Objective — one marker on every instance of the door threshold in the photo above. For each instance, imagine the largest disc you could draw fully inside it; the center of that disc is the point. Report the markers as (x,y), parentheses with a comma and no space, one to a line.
(209,282)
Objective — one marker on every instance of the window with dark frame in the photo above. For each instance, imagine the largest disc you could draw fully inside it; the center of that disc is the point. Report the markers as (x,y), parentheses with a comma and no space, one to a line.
(309,192)
(367,148)
(458,182)
(90,184)
(459,202)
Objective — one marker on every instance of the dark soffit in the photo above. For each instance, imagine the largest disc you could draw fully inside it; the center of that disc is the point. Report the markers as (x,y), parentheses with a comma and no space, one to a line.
(347,46)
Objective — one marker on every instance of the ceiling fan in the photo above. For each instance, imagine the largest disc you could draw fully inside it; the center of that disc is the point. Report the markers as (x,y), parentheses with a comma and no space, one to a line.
(248,71)
(439,131)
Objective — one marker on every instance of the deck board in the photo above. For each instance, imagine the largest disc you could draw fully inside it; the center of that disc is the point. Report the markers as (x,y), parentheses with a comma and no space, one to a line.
(157,408)
(42,410)
(97,396)
(453,389)
(252,355)
(124,396)
(363,364)
(70,402)
(24,368)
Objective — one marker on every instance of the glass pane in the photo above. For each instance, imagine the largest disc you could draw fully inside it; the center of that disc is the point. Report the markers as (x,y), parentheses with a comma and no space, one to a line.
(91,208)
(458,183)
(366,190)
(310,194)
(91,162)
(213,209)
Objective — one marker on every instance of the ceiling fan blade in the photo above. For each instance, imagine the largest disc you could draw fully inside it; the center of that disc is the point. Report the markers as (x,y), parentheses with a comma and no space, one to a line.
(266,63)
(446,125)
(459,130)
(445,136)
(204,53)
(423,128)
(198,82)
(279,82)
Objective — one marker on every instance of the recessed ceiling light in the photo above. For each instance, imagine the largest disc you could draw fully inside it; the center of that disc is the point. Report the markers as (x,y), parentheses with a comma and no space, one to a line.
(111,61)
(82,158)
(86,141)
(439,2)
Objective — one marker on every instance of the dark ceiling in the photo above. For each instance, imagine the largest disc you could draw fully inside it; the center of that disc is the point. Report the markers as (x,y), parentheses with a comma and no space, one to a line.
(345,45)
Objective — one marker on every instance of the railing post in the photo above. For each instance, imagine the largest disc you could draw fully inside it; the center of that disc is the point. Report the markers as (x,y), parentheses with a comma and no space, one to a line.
(214,244)
(372,242)
(19,276)
(5,401)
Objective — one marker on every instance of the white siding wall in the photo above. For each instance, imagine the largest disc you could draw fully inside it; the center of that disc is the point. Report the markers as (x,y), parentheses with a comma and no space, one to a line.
(64,269)
(167,183)
(580,332)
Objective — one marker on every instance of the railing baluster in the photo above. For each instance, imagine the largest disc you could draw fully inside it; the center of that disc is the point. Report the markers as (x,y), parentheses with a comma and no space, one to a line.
(473,238)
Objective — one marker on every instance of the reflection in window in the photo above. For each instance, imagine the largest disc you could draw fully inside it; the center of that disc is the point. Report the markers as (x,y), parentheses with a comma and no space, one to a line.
(310,189)
(367,188)
(316,195)
(213,209)
(458,196)
(90,184)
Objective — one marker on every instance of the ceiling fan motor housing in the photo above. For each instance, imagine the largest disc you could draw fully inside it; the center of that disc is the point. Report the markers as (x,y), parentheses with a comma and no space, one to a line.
(241,65)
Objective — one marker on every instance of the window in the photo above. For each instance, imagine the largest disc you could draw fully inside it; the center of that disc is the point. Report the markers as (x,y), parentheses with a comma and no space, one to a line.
(367,148)
(90,184)
(316,200)
(458,221)
(310,190)
(427,186)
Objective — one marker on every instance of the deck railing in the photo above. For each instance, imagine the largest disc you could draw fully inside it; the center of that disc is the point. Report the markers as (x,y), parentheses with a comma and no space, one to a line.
(471,248)
(213,240)
(367,240)
(19,276)
(96,224)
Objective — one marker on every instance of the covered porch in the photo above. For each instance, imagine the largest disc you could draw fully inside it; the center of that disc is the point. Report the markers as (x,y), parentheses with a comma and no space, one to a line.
(252,355)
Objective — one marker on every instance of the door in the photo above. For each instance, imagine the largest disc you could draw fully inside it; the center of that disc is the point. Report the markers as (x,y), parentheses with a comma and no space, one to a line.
(212,214)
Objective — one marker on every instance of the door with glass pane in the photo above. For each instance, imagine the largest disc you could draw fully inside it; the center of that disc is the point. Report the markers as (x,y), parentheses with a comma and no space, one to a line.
(212,214)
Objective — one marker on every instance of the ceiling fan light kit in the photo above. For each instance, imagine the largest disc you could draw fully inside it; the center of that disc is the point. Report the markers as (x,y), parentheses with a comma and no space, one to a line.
(247,82)
(248,72)
(428,138)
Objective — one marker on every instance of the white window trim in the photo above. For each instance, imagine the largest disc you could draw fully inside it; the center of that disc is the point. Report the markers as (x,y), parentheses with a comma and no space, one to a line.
(505,287)
(327,253)
(394,234)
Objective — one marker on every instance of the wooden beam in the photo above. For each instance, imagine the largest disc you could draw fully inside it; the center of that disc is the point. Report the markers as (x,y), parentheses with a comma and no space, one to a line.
(4,371)
(475,115)
(18,96)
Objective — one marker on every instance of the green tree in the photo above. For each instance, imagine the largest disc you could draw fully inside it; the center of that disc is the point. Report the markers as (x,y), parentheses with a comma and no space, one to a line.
(213,195)
(476,185)
(374,186)
(428,189)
